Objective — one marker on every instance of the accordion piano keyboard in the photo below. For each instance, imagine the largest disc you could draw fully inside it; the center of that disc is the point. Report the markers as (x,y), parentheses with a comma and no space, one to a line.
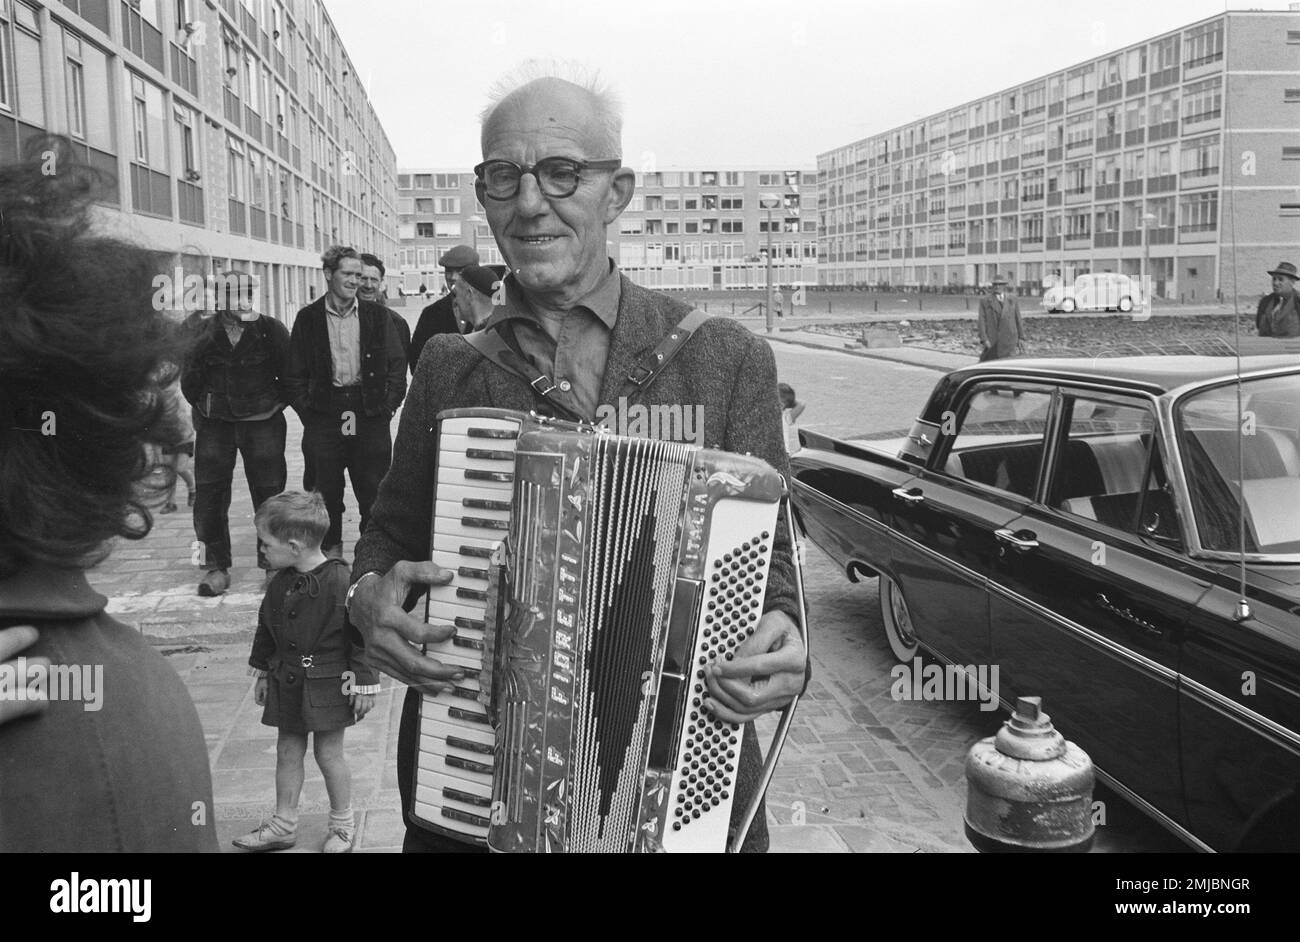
(472,513)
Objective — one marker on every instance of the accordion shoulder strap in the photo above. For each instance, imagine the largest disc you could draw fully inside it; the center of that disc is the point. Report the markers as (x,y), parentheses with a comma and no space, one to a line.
(645,373)
(492,346)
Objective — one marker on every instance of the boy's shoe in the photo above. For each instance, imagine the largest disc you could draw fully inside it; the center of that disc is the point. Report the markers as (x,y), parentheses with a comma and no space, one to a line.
(339,840)
(215,583)
(169,508)
(265,838)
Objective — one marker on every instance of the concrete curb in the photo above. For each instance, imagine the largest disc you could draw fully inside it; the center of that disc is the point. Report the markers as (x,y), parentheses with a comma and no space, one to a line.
(869,354)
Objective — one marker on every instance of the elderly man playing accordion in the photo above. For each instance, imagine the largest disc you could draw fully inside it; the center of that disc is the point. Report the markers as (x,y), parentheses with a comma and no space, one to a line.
(551,182)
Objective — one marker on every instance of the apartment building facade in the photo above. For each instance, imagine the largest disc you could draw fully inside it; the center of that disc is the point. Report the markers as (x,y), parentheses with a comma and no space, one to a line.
(1178,156)
(237,133)
(437,209)
(699,229)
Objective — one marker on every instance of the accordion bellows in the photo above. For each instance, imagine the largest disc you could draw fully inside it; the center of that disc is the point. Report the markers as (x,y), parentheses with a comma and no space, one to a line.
(628,565)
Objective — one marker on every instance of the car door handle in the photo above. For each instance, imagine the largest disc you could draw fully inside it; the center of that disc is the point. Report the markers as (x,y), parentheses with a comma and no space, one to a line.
(1013,538)
(909,495)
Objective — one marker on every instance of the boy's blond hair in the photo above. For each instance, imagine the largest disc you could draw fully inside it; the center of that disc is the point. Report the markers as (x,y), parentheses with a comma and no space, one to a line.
(295,515)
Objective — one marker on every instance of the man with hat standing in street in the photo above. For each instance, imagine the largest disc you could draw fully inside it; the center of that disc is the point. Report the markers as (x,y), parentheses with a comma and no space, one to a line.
(1278,314)
(1000,331)
(440,316)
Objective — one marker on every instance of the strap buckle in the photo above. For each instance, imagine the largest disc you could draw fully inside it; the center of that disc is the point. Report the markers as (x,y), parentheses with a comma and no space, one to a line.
(543,378)
(640,375)
(307,660)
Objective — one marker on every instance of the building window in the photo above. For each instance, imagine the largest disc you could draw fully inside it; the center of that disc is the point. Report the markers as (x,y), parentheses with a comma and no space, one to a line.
(1202,101)
(27,65)
(1162,108)
(74,75)
(235,176)
(185,141)
(733,226)
(1080,82)
(446,181)
(733,178)
(424,230)
(139,120)
(690,203)
(1204,45)
(1078,177)
(449,206)
(1165,54)
(672,227)
(1199,212)
(1200,157)
(733,202)
(1291,95)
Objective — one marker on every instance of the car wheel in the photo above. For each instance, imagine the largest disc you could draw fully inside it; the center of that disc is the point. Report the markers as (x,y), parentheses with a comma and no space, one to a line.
(1068,305)
(1126,304)
(894,612)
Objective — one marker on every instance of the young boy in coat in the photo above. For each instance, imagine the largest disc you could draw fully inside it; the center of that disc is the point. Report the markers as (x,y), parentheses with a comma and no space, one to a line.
(310,675)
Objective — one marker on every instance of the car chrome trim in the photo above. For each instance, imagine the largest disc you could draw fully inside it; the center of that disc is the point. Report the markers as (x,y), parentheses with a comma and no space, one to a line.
(1101,640)
(825,498)
(1243,712)
(1154,813)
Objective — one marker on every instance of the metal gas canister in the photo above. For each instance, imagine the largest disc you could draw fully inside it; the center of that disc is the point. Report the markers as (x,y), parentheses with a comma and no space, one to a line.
(1027,789)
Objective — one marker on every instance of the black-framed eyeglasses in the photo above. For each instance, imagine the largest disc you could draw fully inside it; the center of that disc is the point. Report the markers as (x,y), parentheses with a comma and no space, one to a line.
(557,177)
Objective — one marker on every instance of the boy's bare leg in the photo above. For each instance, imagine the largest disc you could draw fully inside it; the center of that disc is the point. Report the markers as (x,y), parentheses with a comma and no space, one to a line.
(338,784)
(289,753)
(281,831)
(334,766)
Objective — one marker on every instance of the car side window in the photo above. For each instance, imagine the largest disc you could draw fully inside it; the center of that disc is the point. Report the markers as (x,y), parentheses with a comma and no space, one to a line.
(1108,468)
(1000,438)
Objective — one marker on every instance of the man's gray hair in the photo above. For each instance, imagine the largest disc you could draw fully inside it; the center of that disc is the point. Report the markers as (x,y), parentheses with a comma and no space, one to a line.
(336,253)
(607,109)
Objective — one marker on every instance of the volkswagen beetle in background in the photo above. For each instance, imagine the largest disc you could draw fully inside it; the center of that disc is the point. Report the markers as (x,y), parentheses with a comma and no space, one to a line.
(1090,526)
(1105,291)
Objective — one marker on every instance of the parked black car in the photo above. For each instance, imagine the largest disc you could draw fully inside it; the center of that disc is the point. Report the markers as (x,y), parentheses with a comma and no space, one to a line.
(1121,537)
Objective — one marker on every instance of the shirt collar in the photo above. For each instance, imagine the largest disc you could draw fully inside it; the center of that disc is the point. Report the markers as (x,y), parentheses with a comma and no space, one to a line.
(602,300)
(351,309)
(48,592)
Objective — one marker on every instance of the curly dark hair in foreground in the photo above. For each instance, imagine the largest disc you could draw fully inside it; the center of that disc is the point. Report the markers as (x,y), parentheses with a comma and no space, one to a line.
(83,360)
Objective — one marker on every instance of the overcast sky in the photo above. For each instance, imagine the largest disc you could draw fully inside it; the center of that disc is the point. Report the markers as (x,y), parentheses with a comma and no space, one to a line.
(726,83)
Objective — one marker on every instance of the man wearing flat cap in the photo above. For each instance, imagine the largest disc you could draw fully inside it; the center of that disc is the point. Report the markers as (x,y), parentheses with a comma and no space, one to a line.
(999,326)
(475,291)
(1278,314)
(551,184)
(440,316)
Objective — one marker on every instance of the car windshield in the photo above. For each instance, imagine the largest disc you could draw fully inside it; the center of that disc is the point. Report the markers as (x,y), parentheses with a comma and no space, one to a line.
(1250,457)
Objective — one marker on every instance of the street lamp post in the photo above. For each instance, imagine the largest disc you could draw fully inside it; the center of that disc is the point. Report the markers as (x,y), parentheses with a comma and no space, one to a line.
(475,221)
(1143,283)
(769,201)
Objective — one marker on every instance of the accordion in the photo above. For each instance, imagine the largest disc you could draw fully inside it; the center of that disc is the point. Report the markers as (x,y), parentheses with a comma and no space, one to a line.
(596,577)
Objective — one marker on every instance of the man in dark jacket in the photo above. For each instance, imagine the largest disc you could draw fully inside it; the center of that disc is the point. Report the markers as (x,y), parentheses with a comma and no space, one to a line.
(551,183)
(372,289)
(234,379)
(1278,314)
(1000,331)
(440,316)
(346,378)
